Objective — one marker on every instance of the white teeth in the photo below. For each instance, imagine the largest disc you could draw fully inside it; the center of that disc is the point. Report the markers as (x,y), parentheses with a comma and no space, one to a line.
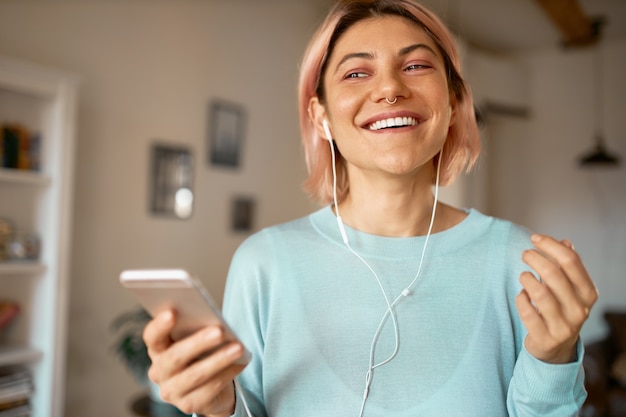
(393,122)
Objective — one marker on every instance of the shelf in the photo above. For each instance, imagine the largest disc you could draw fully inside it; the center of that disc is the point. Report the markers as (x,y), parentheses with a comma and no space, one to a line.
(15,176)
(12,355)
(21,268)
(45,100)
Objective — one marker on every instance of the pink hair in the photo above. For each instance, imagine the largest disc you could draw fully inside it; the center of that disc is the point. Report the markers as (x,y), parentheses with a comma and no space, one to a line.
(463,142)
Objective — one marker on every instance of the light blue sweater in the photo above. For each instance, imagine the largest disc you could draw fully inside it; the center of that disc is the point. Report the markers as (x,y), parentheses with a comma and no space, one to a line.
(307,309)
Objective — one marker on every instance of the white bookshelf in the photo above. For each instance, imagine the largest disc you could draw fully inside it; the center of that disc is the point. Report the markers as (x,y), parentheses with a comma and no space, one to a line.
(44,100)
(11,355)
(13,176)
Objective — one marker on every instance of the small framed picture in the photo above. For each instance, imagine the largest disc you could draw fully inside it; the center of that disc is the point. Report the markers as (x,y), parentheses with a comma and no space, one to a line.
(243,209)
(171,181)
(226,133)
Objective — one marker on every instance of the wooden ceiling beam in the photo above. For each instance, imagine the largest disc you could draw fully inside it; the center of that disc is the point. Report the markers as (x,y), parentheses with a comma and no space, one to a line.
(576,27)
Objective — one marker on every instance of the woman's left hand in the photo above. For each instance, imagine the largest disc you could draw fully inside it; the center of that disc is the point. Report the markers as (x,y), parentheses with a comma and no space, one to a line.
(555,308)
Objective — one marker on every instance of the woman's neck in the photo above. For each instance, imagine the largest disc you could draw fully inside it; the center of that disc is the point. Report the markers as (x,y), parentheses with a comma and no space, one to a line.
(400,209)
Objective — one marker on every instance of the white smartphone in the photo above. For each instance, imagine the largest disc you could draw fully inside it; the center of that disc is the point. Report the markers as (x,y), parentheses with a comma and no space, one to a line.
(161,289)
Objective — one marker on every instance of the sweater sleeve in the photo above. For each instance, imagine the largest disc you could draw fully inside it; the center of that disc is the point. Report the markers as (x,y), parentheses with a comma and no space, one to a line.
(546,390)
(538,388)
(243,302)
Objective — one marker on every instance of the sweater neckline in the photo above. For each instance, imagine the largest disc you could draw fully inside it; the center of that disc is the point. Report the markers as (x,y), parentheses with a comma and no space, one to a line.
(474,224)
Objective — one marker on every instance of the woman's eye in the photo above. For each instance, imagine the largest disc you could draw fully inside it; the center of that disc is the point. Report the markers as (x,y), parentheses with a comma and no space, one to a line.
(417,67)
(356,75)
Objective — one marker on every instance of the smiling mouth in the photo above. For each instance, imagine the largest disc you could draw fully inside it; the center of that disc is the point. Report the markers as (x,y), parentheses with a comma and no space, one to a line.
(393,122)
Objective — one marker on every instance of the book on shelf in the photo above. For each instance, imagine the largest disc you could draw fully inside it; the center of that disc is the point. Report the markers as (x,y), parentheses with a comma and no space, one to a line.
(8,311)
(19,411)
(23,409)
(16,389)
(19,147)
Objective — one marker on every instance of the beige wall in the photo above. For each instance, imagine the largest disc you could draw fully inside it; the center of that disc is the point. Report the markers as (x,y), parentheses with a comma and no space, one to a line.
(149,70)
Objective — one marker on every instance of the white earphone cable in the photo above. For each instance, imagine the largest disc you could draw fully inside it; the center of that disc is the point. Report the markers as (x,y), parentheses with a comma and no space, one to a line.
(242,397)
(405,293)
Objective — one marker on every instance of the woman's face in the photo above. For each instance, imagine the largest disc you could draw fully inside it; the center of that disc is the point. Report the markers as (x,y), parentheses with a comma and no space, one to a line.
(386,58)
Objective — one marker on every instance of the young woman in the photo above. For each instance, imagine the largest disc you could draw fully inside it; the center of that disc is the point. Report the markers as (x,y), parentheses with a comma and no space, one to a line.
(385,302)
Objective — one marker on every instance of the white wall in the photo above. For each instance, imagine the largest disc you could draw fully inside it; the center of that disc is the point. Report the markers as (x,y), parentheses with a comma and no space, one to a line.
(587,206)
(499,80)
(501,89)
(149,71)
(529,165)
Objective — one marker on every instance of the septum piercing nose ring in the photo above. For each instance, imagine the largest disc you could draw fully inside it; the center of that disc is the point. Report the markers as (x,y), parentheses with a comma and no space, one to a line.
(391,102)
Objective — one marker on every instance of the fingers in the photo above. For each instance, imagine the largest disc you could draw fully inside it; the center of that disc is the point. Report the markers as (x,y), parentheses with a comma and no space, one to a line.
(206,384)
(156,334)
(555,293)
(188,350)
(543,312)
(184,352)
(568,261)
(215,399)
(195,373)
(554,308)
(529,315)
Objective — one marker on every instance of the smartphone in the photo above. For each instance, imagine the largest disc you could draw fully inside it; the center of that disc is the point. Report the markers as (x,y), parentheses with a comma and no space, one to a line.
(177,289)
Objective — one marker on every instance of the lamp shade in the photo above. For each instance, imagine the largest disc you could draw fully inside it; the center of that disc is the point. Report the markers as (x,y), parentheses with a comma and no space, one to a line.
(599,156)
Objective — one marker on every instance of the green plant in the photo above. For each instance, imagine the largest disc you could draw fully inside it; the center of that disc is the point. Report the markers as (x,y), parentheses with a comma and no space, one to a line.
(131,350)
(129,345)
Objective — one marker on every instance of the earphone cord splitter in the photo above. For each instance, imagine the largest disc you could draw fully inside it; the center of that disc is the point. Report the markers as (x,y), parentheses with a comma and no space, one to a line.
(405,293)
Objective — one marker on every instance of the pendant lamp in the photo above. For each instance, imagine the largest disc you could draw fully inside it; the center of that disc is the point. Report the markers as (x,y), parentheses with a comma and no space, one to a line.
(599,156)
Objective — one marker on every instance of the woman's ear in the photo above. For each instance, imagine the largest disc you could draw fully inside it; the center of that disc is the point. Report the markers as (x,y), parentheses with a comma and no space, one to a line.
(453,106)
(317,115)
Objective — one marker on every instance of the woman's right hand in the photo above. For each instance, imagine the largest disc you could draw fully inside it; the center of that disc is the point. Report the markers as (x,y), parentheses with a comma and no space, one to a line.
(188,376)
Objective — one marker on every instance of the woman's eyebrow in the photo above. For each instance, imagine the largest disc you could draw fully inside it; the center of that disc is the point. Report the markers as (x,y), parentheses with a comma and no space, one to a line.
(361,55)
(370,56)
(415,46)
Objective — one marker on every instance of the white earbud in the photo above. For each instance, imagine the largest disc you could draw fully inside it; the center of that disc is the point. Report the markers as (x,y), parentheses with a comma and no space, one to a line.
(329,136)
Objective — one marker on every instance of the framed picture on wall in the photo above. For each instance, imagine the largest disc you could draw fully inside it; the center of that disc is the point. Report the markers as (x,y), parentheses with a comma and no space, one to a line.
(226,133)
(242,214)
(171,176)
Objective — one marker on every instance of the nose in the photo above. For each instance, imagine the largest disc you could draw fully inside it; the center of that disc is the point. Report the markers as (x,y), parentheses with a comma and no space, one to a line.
(390,87)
